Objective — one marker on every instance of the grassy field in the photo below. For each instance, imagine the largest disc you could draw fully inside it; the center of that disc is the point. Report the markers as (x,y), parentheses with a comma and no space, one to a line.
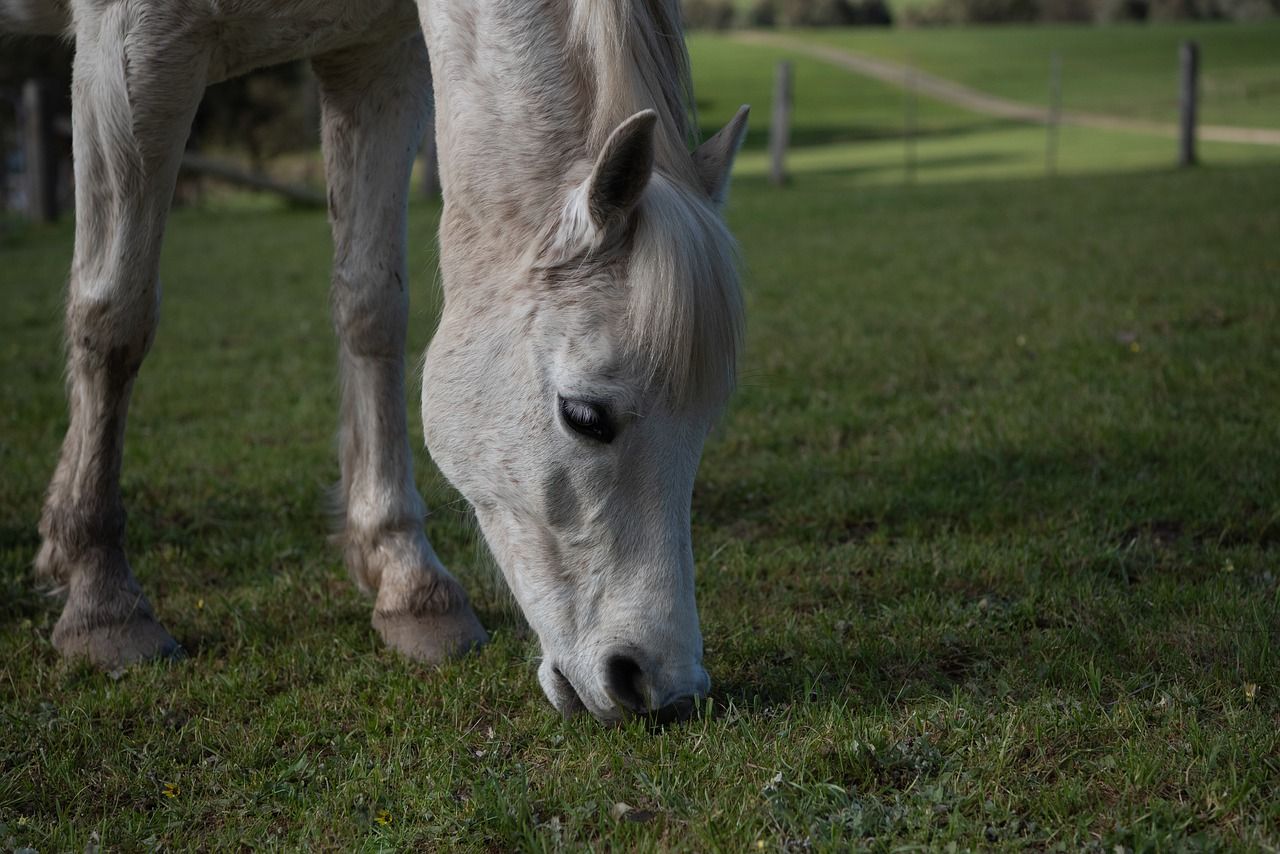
(1124,70)
(987,544)
(848,130)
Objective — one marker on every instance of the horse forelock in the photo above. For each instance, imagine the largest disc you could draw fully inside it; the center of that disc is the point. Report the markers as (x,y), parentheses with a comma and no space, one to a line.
(685,312)
(675,269)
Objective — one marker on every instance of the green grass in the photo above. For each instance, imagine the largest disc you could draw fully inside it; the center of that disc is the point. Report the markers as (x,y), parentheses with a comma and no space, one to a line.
(1128,71)
(973,567)
(987,543)
(848,130)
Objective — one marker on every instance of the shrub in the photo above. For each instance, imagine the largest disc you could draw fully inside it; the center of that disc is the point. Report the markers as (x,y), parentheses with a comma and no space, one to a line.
(834,13)
(708,14)
(763,14)
(995,11)
(1121,11)
(872,13)
(810,13)
(1249,10)
(1067,11)
(1078,11)
(931,15)
(265,113)
(1175,10)
(975,12)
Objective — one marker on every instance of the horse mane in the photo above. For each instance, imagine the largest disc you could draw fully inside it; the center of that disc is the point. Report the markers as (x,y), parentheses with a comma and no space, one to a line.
(637,61)
(685,313)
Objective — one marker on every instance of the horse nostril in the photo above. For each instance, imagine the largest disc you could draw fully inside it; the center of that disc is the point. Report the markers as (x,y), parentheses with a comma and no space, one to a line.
(677,711)
(628,686)
(624,682)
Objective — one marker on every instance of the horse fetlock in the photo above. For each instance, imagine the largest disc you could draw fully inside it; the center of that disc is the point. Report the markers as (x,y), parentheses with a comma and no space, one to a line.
(86,537)
(395,558)
(51,564)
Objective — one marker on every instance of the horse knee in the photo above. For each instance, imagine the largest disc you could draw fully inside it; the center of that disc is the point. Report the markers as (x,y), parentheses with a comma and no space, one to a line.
(112,333)
(371,313)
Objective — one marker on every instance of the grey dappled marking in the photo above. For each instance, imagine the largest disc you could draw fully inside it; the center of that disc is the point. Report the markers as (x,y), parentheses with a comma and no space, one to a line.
(561,499)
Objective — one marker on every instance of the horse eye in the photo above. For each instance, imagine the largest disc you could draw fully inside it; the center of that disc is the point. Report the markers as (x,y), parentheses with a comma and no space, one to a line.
(587,419)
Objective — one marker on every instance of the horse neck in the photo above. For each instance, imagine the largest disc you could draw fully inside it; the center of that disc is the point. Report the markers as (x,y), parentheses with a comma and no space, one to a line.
(510,107)
(526,92)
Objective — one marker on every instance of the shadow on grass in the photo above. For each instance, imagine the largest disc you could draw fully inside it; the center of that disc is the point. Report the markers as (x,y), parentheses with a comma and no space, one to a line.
(265,560)
(803,136)
(921,166)
(1078,486)
(1093,653)
(1002,571)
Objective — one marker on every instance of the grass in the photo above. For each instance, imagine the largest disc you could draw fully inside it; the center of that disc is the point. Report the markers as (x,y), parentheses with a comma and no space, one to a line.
(1128,71)
(987,546)
(848,130)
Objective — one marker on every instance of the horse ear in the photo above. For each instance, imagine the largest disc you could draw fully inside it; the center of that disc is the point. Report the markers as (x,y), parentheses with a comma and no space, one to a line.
(714,158)
(622,170)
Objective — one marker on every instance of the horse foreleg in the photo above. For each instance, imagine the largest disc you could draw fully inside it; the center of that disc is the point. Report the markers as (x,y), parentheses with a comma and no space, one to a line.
(375,107)
(132,111)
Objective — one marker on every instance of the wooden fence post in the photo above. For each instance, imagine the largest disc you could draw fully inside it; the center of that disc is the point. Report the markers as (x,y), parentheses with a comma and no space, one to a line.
(429,160)
(1189,92)
(39,150)
(1055,114)
(4,177)
(910,106)
(780,126)
(310,94)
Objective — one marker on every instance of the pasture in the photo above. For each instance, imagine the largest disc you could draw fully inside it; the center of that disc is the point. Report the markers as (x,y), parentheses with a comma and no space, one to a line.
(847,130)
(1125,71)
(987,542)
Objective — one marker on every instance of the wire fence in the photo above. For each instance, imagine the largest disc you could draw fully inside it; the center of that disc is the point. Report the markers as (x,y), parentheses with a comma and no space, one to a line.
(1186,88)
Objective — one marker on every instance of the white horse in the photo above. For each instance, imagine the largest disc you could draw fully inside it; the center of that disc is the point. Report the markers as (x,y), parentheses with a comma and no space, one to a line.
(588,338)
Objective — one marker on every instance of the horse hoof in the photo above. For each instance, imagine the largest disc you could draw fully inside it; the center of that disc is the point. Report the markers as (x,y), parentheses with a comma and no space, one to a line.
(432,638)
(117,645)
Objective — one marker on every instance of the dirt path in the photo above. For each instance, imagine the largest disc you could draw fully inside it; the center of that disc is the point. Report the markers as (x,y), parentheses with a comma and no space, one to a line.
(896,74)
